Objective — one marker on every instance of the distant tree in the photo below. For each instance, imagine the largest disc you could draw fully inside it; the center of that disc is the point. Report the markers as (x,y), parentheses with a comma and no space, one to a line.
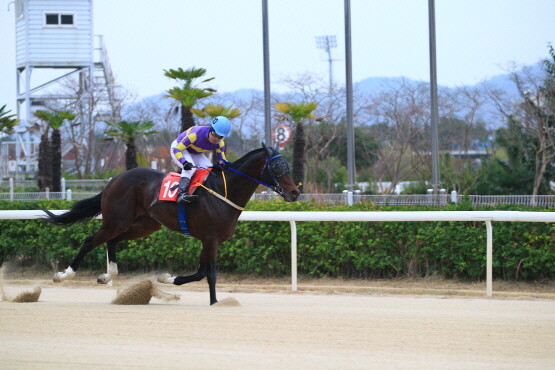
(515,175)
(534,114)
(7,121)
(50,149)
(44,178)
(187,94)
(128,132)
(401,116)
(297,113)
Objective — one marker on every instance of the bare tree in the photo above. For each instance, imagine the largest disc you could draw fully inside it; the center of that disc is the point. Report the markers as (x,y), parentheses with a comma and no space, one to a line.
(533,113)
(400,115)
(462,130)
(83,136)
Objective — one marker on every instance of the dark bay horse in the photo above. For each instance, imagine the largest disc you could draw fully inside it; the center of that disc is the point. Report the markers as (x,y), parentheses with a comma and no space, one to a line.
(130,210)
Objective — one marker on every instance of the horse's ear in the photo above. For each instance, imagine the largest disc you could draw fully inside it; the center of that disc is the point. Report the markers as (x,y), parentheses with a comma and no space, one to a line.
(268,150)
(276,148)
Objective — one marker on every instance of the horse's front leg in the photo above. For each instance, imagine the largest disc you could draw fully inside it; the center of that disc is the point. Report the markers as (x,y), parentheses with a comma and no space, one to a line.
(207,268)
(212,277)
(112,264)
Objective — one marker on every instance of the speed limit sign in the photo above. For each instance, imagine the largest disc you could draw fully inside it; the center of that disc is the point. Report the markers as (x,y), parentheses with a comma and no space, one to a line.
(281,134)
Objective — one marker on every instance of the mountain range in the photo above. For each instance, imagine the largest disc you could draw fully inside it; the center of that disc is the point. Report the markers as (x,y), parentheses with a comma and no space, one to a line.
(374,85)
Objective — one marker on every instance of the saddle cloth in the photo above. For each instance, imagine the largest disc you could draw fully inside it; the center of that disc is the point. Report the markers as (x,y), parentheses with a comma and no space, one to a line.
(172,179)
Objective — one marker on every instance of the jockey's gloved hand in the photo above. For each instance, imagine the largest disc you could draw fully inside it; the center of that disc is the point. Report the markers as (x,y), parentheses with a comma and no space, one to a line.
(223,165)
(187,166)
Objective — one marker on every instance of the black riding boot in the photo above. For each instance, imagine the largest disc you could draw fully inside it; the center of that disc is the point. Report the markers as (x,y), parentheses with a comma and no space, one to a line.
(183,197)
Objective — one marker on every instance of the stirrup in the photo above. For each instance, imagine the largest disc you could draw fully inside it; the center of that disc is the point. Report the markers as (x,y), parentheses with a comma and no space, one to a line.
(186,198)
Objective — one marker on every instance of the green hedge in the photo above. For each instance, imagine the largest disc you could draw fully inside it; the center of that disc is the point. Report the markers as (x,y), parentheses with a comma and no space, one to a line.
(522,251)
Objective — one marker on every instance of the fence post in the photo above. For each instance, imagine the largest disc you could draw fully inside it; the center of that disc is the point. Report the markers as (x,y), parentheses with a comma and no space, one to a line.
(454,197)
(63,185)
(350,198)
(489,259)
(11,189)
(293,256)
(47,193)
(68,197)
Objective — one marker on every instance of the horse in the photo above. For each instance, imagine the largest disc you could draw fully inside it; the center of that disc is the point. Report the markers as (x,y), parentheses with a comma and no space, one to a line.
(131,210)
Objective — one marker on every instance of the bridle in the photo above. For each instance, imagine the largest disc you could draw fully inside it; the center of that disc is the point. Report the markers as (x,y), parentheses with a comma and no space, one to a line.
(276,166)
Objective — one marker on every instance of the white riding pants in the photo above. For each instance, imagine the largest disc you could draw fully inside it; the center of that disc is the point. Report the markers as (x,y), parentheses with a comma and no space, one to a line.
(197,159)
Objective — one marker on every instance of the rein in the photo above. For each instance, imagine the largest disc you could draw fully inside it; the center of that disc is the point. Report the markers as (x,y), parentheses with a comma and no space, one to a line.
(278,189)
(222,197)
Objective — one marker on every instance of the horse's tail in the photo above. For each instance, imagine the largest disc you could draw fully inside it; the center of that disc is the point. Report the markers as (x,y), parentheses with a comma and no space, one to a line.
(81,211)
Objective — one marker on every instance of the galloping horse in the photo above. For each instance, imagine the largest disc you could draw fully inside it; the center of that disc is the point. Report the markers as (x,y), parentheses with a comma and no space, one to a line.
(131,210)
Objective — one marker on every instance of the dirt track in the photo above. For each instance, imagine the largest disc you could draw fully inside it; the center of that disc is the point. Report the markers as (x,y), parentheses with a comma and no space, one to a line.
(78,327)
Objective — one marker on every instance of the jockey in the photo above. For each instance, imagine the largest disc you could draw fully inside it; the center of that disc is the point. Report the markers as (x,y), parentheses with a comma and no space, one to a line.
(187,149)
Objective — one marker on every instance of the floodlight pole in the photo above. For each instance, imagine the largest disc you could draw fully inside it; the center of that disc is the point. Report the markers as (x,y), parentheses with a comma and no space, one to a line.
(349,100)
(434,103)
(327,43)
(267,95)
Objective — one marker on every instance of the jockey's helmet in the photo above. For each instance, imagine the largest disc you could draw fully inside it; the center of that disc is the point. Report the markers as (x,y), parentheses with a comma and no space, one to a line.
(221,126)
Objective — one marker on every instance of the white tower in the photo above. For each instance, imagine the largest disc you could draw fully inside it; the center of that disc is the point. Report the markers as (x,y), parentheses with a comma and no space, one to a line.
(54,40)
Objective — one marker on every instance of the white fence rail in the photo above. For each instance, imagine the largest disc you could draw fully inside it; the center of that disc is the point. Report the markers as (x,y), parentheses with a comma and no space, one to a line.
(407,216)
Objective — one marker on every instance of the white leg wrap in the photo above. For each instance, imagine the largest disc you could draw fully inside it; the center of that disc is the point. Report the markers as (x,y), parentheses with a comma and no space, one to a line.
(113,268)
(166,279)
(61,276)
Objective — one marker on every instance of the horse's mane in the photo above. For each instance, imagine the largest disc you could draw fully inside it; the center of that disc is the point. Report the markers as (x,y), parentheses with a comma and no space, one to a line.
(246,157)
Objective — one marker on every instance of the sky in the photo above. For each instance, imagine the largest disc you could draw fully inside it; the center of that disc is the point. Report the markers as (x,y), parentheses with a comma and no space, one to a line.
(475,40)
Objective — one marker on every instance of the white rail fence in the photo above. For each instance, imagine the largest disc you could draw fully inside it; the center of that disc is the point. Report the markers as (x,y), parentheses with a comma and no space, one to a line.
(406,216)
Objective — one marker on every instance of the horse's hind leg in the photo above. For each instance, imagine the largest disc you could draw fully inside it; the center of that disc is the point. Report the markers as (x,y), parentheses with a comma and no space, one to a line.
(112,268)
(143,226)
(91,242)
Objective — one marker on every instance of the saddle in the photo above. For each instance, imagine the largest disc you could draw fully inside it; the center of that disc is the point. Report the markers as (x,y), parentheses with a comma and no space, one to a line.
(169,188)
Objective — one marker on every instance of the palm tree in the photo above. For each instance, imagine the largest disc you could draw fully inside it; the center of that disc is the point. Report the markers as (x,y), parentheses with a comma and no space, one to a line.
(128,131)
(215,110)
(50,149)
(297,113)
(7,122)
(188,94)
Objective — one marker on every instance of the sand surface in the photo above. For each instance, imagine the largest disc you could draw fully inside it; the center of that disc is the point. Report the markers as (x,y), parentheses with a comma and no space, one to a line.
(78,327)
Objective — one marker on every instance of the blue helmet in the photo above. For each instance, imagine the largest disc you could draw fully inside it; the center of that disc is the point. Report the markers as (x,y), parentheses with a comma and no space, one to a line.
(221,126)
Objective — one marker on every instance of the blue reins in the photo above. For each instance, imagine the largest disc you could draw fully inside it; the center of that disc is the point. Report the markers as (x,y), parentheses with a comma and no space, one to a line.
(278,189)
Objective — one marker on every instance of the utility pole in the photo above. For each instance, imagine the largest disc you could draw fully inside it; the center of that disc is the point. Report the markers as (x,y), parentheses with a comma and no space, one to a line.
(327,43)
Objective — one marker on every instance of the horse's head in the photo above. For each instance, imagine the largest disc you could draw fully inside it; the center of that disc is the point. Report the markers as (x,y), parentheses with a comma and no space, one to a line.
(276,173)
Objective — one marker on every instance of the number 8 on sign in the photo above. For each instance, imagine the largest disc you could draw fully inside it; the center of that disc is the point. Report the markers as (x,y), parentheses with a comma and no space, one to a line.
(281,134)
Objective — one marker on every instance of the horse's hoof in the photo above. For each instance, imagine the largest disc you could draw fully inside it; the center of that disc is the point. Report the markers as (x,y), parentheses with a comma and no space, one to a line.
(104,279)
(61,276)
(165,279)
(58,278)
